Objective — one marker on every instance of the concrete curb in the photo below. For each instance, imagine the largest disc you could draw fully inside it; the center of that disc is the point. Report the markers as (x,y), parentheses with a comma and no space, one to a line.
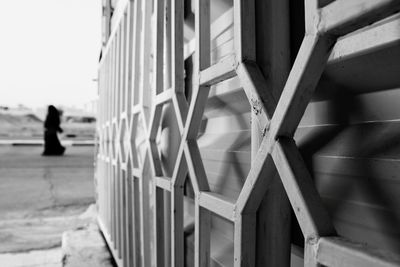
(41,142)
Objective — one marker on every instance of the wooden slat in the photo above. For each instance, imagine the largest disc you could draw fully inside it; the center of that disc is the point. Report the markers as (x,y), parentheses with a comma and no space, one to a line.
(219,72)
(136,47)
(159,231)
(164,97)
(245,30)
(202,236)
(146,40)
(144,223)
(339,252)
(244,236)
(343,16)
(202,35)
(218,204)
(177,233)
(366,41)
(177,63)
(163,182)
(158,55)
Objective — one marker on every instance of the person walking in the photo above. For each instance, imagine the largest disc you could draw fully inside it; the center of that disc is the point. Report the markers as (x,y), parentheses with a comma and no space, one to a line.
(52,146)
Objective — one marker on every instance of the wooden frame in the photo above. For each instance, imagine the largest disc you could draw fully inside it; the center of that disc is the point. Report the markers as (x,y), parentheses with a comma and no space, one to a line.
(124,87)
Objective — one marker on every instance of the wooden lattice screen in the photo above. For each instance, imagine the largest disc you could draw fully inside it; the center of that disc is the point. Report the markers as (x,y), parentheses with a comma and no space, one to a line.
(132,95)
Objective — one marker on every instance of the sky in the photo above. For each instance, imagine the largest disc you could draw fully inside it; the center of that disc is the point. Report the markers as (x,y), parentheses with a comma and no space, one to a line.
(49,52)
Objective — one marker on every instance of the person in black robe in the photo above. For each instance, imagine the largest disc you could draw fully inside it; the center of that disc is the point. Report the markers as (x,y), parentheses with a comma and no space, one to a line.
(52,146)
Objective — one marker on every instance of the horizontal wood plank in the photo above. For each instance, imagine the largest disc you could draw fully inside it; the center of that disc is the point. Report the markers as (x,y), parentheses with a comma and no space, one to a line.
(339,252)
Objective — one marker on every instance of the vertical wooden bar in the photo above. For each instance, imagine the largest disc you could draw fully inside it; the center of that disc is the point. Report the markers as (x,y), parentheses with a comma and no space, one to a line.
(132,226)
(131,56)
(137,50)
(145,59)
(244,30)
(117,72)
(114,208)
(112,85)
(124,249)
(177,244)
(125,23)
(167,45)
(159,227)
(137,234)
(177,61)
(202,61)
(158,84)
(128,62)
(129,220)
(202,27)
(244,236)
(167,228)
(144,216)
(202,236)
(273,245)
(158,46)
(175,68)
(121,69)
(119,209)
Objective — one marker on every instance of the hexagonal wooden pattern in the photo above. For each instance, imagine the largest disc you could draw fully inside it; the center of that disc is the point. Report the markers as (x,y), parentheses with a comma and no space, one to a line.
(132,94)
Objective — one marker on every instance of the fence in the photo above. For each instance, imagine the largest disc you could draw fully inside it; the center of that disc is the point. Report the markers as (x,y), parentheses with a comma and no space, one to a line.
(142,206)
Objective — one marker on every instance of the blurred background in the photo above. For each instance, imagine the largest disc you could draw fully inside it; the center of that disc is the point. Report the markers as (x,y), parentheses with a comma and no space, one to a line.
(49,52)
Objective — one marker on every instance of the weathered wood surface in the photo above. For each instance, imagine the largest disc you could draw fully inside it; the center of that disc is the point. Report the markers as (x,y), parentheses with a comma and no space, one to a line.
(345,112)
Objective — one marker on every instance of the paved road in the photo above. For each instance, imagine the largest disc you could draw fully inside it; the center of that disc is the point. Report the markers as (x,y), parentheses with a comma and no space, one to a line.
(41,197)
(32,185)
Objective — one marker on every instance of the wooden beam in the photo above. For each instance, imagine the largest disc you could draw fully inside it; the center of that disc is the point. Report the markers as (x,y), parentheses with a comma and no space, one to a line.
(163,182)
(159,231)
(219,72)
(158,55)
(218,204)
(343,16)
(339,252)
(244,30)
(244,236)
(177,242)
(164,97)
(367,41)
(202,231)
(202,34)
(177,61)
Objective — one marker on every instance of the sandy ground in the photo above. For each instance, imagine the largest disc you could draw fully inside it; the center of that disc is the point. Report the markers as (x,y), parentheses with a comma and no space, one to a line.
(40,197)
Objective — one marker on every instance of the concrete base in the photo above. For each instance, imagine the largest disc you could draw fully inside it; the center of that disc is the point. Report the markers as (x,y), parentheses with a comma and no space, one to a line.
(85,247)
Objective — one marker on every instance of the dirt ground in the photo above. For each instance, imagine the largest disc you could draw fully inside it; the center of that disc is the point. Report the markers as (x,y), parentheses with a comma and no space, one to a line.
(41,197)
